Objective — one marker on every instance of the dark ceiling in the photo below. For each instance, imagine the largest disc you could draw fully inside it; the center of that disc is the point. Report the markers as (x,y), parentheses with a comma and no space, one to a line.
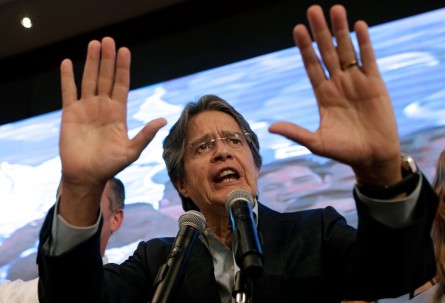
(56,20)
(168,38)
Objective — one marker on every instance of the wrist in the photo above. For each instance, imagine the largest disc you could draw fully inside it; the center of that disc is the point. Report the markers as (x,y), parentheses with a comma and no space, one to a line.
(79,204)
(379,173)
(404,187)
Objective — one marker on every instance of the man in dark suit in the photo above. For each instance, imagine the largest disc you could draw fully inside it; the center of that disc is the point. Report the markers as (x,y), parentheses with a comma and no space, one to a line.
(309,256)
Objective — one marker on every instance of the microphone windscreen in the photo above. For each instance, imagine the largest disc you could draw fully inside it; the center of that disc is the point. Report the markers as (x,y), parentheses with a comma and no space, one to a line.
(238,194)
(193,218)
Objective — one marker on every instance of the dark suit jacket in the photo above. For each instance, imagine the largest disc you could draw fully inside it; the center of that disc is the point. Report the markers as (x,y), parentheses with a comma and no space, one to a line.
(309,256)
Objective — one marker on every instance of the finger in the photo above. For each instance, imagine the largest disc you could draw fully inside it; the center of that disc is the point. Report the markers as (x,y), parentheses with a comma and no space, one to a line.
(297,134)
(122,80)
(367,55)
(311,62)
(345,48)
(323,37)
(68,84)
(91,70)
(144,137)
(107,67)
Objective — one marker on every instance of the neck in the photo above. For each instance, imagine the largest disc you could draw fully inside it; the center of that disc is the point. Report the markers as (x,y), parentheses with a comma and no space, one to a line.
(221,227)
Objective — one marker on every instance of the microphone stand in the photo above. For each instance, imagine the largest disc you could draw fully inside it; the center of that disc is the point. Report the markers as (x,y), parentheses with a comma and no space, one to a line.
(242,288)
(251,267)
(246,244)
(171,274)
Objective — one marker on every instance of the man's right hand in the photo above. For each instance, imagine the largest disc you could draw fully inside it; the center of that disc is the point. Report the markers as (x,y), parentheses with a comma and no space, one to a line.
(94,143)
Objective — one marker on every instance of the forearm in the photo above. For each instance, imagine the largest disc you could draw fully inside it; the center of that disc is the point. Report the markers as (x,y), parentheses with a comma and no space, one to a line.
(80,203)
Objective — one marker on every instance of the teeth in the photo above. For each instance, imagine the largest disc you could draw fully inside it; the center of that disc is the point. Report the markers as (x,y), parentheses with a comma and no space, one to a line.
(226,172)
(229,180)
(228,175)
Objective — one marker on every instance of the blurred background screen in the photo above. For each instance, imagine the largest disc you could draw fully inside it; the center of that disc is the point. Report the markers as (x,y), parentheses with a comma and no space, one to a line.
(411,58)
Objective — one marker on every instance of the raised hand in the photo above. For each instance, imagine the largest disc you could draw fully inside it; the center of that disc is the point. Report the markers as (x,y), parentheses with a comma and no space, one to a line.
(94,143)
(357,122)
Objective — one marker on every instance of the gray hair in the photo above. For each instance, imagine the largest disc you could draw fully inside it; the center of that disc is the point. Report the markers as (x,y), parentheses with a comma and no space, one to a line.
(174,143)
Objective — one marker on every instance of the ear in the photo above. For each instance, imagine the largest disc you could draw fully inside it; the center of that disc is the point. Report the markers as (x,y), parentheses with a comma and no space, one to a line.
(116,220)
(182,188)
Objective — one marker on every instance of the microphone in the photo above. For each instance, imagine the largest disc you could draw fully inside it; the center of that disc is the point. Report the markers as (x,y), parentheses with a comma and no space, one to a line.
(245,241)
(171,275)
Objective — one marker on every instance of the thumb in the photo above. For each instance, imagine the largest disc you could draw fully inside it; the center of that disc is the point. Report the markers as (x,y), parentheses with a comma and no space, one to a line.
(146,135)
(295,133)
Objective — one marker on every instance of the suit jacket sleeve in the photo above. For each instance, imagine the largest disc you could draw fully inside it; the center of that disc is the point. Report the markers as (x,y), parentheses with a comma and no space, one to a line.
(395,260)
(314,256)
(79,276)
(80,269)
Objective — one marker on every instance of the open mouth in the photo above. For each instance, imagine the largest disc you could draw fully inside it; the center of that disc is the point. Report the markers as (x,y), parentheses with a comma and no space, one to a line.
(227,175)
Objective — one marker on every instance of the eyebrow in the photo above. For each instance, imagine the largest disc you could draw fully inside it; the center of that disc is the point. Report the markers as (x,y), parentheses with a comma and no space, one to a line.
(200,139)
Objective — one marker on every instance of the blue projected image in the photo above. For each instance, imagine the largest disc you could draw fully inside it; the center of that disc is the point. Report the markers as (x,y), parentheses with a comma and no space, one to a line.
(411,58)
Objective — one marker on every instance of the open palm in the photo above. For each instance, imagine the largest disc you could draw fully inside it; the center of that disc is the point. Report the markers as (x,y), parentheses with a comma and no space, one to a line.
(356,115)
(94,143)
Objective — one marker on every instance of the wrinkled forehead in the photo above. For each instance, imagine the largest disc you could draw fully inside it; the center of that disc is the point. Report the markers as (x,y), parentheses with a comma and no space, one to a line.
(210,124)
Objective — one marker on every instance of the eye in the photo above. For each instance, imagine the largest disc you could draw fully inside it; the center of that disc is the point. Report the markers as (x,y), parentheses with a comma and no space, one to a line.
(202,147)
(234,140)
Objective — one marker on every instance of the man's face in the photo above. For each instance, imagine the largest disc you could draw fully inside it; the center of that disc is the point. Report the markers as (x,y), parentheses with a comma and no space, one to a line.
(285,185)
(112,220)
(105,204)
(212,175)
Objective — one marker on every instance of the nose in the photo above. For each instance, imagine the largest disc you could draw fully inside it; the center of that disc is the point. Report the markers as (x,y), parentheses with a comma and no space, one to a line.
(221,151)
